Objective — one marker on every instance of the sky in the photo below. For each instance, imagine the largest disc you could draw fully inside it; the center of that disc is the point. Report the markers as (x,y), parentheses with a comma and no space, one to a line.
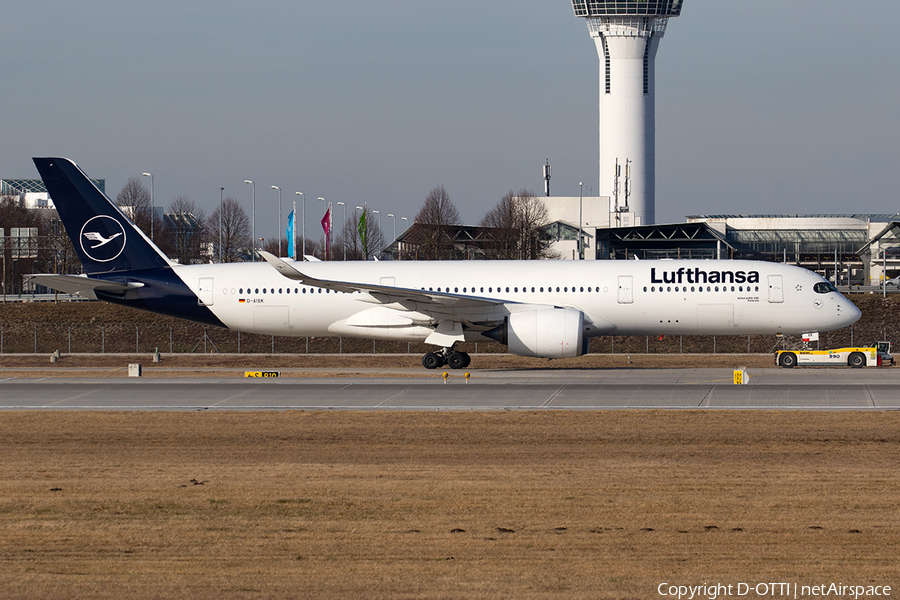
(763,107)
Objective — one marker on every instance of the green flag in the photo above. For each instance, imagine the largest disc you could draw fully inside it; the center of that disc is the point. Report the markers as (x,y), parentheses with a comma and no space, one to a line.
(362,234)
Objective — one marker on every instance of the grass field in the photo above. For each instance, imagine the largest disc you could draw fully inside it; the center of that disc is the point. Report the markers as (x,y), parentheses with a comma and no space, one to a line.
(430,505)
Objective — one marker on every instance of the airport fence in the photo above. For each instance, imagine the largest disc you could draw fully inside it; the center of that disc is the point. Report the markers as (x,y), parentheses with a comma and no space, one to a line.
(190,338)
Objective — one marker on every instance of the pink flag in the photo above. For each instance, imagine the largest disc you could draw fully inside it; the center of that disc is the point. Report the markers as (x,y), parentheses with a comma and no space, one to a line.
(326,225)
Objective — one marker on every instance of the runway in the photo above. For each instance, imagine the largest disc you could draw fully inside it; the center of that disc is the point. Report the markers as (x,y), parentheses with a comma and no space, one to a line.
(603,389)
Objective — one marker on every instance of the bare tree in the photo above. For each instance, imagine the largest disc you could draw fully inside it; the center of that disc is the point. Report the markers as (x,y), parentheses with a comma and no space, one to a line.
(235,230)
(135,201)
(503,223)
(435,218)
(533,216)
(518,221)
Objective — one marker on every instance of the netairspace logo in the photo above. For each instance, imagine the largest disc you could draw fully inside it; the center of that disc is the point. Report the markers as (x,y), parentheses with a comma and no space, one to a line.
(771,590)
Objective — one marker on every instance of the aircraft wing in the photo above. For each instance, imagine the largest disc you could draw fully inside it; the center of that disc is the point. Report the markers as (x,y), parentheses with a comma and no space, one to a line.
(80,284)
(425,300)
(449,311)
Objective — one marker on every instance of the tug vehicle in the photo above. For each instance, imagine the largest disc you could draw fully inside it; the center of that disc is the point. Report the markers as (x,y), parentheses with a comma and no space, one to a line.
(876,355)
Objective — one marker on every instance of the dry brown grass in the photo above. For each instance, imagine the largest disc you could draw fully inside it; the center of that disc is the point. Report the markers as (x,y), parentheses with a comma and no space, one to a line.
(431,505)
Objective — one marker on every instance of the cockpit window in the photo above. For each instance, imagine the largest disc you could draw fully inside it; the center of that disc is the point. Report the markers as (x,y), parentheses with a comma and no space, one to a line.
(824,287)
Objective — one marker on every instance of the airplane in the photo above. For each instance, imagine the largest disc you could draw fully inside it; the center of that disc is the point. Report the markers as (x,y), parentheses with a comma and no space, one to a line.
(548,309)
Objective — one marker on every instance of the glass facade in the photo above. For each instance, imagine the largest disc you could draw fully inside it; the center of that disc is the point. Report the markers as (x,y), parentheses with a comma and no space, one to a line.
(799,246)
(597,8)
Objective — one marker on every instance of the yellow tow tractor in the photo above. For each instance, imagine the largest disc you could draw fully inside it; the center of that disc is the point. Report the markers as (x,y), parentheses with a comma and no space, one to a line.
(876,355)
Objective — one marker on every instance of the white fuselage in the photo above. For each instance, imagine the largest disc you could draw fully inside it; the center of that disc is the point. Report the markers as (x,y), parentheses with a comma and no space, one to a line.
(616,297)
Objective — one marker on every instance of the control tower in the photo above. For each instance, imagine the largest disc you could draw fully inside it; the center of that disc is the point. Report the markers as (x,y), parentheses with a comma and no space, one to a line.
(627,35)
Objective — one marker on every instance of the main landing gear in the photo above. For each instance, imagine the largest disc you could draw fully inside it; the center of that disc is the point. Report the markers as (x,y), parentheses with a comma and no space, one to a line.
(448,357)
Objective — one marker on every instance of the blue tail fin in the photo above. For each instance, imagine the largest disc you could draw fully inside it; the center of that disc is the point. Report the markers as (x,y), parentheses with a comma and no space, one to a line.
(104,238)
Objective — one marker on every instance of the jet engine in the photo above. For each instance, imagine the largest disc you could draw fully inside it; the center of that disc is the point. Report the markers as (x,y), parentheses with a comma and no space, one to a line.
(544,333)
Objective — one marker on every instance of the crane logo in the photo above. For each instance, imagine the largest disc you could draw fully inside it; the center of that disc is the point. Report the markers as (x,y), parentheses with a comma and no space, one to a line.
(102,238)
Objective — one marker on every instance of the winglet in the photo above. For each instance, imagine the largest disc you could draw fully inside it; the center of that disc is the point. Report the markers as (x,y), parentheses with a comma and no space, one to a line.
(282,267)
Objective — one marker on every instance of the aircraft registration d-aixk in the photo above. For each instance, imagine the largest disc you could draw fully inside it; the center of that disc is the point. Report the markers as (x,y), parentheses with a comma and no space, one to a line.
(547,309)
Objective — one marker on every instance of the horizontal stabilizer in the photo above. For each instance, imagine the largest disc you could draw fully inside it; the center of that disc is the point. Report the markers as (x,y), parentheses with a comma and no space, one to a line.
(78,284)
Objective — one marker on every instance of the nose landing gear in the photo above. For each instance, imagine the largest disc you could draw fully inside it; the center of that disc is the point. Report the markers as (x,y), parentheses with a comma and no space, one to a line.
(448,357)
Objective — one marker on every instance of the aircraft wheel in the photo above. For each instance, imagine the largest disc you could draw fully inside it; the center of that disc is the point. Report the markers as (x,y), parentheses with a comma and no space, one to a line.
(432,361)
(457,360)
(788,360)
(857,360)
(468,359)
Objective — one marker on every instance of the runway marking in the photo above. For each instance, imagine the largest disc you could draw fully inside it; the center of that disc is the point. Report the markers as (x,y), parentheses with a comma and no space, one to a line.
(72,398)
(557,393)
(229,399)
(871,397)
(395,396)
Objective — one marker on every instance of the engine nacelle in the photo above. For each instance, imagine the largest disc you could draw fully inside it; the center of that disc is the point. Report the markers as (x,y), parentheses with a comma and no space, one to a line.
(545,333)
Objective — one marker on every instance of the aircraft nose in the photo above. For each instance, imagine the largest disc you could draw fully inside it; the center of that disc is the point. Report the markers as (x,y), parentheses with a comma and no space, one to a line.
(848,313)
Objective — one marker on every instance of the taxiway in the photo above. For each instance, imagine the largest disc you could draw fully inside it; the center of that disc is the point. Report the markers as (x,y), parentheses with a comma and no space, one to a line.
(603,389)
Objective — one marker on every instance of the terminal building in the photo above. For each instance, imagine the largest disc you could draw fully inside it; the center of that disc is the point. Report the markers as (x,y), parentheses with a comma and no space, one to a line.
(859,249)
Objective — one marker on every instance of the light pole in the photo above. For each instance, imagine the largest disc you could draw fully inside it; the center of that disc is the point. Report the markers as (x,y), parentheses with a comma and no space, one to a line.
(344,243)
(580,220)
(221,210)
(399,254)
(275,187)
(150,175)
(303,256)
(326,237)
(252,217)
(395,229)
